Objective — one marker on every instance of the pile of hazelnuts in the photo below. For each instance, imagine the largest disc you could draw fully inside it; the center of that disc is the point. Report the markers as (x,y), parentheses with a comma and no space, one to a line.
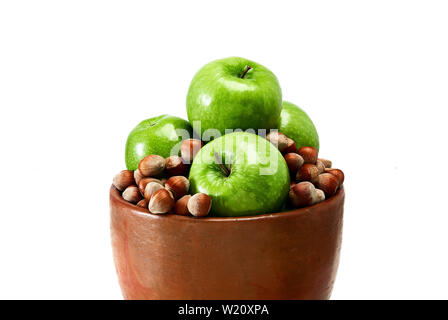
(160,185)
(312,179)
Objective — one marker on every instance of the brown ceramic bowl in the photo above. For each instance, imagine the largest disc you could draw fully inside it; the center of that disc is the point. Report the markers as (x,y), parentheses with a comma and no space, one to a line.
(288,255)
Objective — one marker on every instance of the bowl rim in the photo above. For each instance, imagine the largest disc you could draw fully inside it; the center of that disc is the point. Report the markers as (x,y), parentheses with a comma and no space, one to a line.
(115,198)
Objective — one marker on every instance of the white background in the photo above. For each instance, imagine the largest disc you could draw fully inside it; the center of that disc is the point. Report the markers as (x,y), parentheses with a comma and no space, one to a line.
(77,76)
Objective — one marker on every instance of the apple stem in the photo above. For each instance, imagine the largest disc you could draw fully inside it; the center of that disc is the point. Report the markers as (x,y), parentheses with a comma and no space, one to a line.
(246,70)
(223,167)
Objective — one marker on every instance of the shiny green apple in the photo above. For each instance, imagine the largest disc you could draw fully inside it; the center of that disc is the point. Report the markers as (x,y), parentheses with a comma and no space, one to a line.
(243,173)
(233,93)
(297,125)
(160,135)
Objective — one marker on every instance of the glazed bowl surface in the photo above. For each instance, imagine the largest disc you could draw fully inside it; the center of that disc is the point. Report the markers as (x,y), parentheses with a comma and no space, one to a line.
(286,255)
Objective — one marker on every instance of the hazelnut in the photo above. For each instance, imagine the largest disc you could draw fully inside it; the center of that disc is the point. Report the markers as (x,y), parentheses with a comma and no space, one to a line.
(294,162)
(338,174)
(290,147)
(143,204)
(161,201)
(199,205)
(320,166)
(320,196)
(123,180)
(178,186)
(308,172)
(181,206)
(328,183)
(174,166)
(278,139)
(302,194)
(150,189)
(189,148)
(327,163)
(138,176)
(132,194)
(309,154)
(152,165)
(144,182)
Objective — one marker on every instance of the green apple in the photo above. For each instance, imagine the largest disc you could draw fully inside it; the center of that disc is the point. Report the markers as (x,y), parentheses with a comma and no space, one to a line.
(233,93)
(160,135)
(296,124)
(243,173)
